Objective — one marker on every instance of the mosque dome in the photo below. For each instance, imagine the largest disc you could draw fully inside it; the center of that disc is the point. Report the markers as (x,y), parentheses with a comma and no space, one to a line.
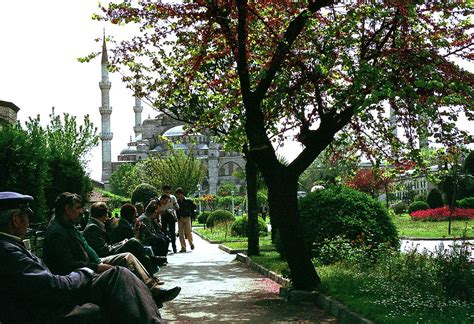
(174,131)
(129,150)
(177,131)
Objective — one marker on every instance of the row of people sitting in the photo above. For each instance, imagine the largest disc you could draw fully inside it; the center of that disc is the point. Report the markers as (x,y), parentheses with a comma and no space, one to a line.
(75,272)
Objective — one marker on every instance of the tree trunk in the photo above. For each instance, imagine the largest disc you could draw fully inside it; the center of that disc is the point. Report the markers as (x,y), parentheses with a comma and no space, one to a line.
(252,225)
(284,212)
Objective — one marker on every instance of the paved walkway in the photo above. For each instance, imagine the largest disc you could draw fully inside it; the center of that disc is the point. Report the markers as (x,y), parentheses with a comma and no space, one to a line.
(215,287)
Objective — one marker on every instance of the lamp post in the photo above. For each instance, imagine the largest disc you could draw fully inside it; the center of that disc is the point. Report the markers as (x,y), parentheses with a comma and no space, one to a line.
(233,209)
(199,193)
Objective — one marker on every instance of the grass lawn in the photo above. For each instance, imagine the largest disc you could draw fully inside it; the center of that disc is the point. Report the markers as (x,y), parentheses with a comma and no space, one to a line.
(410,228)
(371,294)
(219,233)
(265,243)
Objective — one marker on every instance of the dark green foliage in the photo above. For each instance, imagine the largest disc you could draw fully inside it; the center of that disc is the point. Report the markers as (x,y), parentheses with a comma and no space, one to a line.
(239,227)
(420,197)
(466,202)
(344,212)
(435,199)
(219,216)
(399,208)
(45,162)
(143,192)
(115,201)
(24,166)
(124,180)
(417,205)
(67,174)
(202,218)
(468,167)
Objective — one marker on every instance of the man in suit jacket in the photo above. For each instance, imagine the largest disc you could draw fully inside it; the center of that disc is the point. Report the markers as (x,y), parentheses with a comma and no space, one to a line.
(65,249)
(30,292)
(96,235)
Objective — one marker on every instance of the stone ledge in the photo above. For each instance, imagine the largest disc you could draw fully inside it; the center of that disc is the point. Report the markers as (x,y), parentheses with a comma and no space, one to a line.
(333,307)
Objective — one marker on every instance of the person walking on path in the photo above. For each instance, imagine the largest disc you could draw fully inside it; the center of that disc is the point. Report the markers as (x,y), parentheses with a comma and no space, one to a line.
(169,218)
(185,214)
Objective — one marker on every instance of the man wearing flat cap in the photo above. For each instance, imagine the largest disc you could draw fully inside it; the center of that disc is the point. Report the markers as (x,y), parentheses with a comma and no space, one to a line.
(30,292)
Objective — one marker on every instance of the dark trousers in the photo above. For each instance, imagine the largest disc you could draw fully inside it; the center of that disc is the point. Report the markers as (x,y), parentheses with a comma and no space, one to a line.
(169,228)
(123,298)
(137,249)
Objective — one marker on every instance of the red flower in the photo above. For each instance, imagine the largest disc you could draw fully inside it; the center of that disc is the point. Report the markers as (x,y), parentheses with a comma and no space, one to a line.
(443,213)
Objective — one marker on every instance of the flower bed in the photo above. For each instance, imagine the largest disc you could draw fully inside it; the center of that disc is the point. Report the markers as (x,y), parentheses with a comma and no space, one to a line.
(442,213)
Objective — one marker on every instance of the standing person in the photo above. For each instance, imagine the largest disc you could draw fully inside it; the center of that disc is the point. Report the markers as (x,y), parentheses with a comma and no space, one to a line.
(169,218)
(65,249)
(185,214)
(29,292)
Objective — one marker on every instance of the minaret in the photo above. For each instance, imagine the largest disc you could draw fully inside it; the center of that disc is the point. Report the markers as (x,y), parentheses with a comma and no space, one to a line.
(138,117)
(105,112)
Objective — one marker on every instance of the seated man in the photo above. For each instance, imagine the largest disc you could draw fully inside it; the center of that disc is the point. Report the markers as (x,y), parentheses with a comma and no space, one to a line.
(65,249)
(30,292)
(97,237)
(149,226)
(125,227)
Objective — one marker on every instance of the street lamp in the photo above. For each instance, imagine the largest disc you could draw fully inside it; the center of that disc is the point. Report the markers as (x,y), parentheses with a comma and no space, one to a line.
(233,211)
(199,193)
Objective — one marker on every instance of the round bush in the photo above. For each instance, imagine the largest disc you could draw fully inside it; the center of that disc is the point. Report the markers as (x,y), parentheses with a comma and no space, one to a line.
(399,208)
(417,205)
(239,227)
(143,192)
(347,213)
(219,216)
(435,199)
(202,218)
(420,197)
(466,202)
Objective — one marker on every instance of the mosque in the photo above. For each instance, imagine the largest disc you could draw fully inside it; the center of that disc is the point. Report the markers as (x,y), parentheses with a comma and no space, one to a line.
(154,136)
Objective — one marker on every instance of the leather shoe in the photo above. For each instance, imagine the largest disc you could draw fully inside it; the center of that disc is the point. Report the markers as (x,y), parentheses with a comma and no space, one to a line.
(165,295)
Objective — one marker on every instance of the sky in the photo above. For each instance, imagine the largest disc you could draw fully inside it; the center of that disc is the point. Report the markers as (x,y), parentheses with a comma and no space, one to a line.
(40,43)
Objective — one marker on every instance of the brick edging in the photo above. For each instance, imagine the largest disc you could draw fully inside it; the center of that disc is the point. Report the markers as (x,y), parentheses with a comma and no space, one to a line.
(332,306)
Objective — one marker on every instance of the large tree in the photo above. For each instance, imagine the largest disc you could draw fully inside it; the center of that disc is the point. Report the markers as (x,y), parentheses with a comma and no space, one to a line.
(273,69)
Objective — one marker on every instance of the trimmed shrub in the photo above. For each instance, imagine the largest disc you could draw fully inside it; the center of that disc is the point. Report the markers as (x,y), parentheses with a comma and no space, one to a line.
(420,197)
(239,227)
(219,216)
(417,205)
(435,199)
(466,202)
(468,167)
(202,218)
(347,213)
(399,208)
(143,192)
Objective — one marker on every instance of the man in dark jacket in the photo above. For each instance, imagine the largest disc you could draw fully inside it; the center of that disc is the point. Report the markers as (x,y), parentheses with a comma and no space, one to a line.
(185,214)
(30,292)
(149,228)
(97,237)
(124,229)
(65,249)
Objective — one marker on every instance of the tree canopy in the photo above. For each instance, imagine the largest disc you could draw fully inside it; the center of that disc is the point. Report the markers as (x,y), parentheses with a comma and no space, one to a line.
(304,71)
(44,162)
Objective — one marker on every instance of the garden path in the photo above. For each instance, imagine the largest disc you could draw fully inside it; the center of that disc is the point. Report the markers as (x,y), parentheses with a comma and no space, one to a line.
(216,287)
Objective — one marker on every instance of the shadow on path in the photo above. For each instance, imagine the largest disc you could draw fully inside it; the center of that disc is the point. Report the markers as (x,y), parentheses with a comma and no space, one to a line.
(215,287)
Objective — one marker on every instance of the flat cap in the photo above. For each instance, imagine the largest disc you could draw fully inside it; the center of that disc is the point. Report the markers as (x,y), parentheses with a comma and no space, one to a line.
(12,200)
